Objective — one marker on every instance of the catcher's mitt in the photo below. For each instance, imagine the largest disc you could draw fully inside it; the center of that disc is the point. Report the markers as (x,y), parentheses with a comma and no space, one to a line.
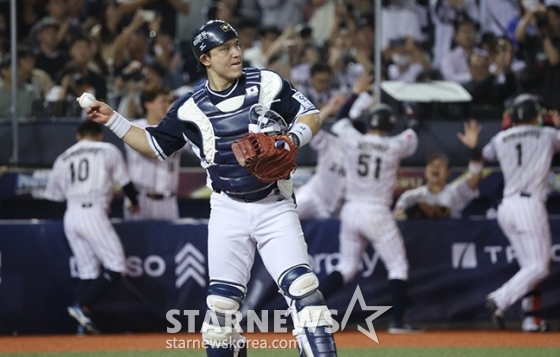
(268,158)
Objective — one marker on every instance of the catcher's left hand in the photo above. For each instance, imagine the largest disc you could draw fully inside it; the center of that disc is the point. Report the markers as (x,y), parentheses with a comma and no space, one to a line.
(268,158)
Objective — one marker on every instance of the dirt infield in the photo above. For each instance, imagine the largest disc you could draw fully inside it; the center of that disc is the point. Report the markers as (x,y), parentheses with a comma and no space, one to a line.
(118,342)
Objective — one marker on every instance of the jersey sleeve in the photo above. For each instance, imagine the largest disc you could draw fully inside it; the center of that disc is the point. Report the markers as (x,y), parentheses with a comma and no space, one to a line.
(489,150)
(555,139)
(290,102)
(463,194)
(168,136)
(119,170)
(346,131)
(408,199)
(407,143)
(53,190)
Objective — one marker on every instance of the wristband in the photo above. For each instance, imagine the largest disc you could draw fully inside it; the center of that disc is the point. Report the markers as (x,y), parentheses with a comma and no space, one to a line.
(302,132)
(475,167)
(118,125)
(475,154)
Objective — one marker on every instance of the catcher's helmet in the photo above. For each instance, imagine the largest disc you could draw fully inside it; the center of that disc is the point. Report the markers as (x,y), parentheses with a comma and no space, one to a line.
(210,35)
(263,120)
(525,107)
(380,117)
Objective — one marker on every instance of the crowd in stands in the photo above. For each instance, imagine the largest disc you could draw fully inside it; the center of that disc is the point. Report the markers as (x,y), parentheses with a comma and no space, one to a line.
(495,49)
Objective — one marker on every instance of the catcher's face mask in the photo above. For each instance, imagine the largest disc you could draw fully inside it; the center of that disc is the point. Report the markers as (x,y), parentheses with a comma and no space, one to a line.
(264,120)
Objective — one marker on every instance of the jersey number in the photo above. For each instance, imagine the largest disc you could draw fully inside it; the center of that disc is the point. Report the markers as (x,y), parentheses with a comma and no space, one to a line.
(363,165)
(82,172)
(519,154)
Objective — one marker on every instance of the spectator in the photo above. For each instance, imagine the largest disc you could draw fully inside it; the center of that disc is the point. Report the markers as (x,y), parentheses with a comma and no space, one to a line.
(258,54)
(166,9)
(26,93)
(107,30)
(68,26)
(484,86)
(455,64)
(444,14)
(436,198)
(280,13)
(405,13)
(49,57)
(323,20)
(61,99)
(408,61)
(169,59)
(495,15)
(319,89)
(39,79)
(132,43)
(81,54)
(247,30)
(540,47)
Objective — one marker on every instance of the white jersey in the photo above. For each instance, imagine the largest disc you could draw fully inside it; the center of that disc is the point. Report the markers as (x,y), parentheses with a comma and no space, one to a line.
(372,162)
(525,154)
(327,183)
(152,176)
(86,173)
(455,196)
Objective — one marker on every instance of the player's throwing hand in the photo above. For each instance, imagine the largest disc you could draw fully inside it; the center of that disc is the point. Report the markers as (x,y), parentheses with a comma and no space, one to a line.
(100,112)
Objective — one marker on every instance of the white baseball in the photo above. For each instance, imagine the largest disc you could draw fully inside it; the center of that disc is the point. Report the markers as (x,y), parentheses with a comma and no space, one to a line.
(86,100)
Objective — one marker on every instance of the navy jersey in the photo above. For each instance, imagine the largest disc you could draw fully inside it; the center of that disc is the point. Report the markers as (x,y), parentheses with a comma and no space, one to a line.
(210,121)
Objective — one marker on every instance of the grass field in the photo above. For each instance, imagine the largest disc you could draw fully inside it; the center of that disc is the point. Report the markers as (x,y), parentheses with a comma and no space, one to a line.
(343,352)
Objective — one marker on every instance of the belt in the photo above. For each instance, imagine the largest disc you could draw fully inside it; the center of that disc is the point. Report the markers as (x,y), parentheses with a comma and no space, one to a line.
(251,196)
(159,196)
(525,194)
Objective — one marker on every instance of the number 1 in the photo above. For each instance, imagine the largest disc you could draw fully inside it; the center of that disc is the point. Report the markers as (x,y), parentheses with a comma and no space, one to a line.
(519,153)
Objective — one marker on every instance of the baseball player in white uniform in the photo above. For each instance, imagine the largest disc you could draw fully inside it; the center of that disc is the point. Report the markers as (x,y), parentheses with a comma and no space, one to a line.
(321,197)
(84,176)
(372,161)
(436,198)
(246,213)
(156,181)
(525,153)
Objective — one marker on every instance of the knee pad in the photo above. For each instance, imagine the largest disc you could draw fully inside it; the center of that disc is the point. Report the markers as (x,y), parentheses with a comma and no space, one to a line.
(299,282)
(219,329)
(310,315)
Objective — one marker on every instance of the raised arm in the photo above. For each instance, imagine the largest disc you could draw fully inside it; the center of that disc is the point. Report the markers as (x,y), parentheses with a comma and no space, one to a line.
(470,140)
(132,135)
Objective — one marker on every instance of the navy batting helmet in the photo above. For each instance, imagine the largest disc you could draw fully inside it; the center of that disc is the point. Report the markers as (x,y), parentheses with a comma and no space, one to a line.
(380,117)
(210,35)
(525,108)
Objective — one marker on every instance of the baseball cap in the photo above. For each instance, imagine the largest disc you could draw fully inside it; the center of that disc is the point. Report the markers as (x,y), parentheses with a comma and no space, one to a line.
(42,24)
(437,155)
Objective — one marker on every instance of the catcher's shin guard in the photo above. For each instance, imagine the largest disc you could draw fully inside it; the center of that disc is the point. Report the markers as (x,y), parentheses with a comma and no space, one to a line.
(311,317)
(221,332)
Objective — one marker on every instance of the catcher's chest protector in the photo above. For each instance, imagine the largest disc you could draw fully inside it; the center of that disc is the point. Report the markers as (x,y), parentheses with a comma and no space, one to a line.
(226,173)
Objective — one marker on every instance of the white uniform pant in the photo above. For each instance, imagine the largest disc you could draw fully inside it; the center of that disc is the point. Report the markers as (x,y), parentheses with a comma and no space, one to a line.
(524,221)
(310,205)
(93,239)
(164,209)
(236,229)
(363,223)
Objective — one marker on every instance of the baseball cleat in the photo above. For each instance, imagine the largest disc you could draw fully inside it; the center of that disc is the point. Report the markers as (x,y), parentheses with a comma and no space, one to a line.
(497,314)
(403,328)
(544,327)
(82,319)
